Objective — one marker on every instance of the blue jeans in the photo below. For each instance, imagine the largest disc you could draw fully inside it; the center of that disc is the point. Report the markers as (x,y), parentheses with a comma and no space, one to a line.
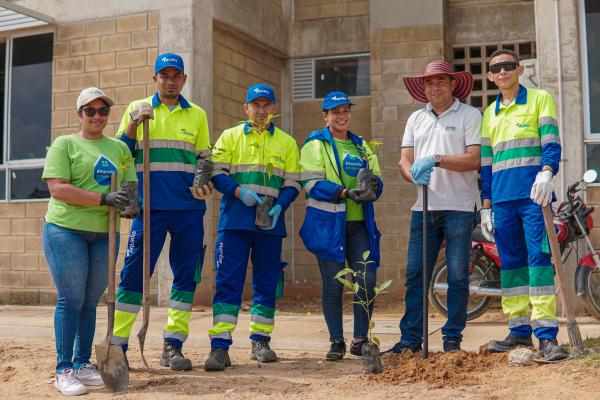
(357,242)
(78,263)
(455,227)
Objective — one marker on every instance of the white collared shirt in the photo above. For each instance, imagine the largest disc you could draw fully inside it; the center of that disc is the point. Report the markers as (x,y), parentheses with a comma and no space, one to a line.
(449,133)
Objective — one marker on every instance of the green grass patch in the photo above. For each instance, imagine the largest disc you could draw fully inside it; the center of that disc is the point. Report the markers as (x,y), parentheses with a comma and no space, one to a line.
(591,342)
(592,361)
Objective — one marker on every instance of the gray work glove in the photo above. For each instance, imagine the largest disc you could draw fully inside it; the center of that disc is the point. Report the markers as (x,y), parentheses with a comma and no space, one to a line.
(141,111)
(114,199)
(202,193)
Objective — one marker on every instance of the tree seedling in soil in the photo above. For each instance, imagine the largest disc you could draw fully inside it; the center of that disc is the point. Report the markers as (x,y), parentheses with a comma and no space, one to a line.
(358,288)
(365,178)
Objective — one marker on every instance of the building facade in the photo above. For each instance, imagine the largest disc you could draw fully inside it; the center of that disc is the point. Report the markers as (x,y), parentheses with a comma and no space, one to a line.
(303,48)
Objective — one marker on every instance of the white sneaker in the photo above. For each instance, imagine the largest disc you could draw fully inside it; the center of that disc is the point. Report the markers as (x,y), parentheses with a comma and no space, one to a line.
(68,384)
(88,375)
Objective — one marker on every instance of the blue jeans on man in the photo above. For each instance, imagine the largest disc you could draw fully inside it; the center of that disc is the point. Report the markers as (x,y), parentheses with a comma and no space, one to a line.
(455,228)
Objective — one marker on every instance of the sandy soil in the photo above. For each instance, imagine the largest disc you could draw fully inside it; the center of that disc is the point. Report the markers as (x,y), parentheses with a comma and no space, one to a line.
(25,366)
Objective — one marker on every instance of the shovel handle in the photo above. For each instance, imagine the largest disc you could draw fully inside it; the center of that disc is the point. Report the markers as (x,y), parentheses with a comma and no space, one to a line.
(425,274)
(112,238)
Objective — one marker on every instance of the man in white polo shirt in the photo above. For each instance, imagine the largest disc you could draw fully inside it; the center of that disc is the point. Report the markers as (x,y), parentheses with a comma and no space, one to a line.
(445,134)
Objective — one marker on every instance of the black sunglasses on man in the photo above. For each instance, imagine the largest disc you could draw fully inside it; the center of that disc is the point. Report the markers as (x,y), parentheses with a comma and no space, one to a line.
(506,65)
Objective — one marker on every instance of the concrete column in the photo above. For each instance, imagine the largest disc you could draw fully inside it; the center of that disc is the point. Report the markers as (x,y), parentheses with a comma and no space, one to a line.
(566,68)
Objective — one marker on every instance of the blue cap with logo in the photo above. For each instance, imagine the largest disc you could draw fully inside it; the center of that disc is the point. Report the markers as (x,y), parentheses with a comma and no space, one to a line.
(168,60)
(260,90)
(335,99)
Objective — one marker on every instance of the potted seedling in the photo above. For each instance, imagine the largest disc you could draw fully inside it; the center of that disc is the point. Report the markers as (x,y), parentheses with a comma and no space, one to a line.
(132,209)
(263,219)
(366,179)
(204,169)
(358,288)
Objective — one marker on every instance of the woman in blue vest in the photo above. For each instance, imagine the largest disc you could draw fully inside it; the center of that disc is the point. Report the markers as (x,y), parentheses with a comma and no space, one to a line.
(340,222)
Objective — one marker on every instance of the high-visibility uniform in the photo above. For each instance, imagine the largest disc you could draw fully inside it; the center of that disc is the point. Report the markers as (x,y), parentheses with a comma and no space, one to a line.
(517,141)
(324,229)
(176,138)
(267,163)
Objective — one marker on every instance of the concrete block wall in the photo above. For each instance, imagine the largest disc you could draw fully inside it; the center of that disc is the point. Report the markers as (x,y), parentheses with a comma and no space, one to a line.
(396,52)
(116,55)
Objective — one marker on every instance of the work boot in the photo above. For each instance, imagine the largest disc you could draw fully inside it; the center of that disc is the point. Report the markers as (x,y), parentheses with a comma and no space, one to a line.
(217,360)
(171,356)
(451,345)
(400,347)
(511,342)
(261,351)
(551,350)
(336,352)
(356,348)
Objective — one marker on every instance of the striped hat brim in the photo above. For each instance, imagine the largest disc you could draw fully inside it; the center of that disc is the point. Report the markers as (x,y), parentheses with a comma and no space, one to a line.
(416,88)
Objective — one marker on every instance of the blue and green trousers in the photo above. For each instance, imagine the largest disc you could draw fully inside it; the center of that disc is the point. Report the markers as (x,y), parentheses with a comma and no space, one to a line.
(232,250)
(528,292)
(186,255)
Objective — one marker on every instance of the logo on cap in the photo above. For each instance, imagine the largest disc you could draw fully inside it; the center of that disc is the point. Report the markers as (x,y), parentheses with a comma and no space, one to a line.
(339,98)
(257,90)
(165,59)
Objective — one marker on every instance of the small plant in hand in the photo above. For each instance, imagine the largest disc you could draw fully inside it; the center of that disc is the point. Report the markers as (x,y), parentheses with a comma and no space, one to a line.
(366,179)
(132,209)
(204,169)
(358,288)
(263,219)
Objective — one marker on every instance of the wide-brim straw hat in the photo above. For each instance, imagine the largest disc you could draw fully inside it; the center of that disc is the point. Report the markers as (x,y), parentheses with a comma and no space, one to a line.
(416,88)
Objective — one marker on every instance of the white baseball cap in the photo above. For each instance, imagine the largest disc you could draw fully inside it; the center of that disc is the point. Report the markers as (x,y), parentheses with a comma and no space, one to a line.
(90,94)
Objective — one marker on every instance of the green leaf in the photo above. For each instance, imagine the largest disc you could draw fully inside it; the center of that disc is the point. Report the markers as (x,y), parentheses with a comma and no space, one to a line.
(356,287)
(384,285)
(376,340)
(344,272)
(365,255)
(356,302)
(346,283)
(371,324)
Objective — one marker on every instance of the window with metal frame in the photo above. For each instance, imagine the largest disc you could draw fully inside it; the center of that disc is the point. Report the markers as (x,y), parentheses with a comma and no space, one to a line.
(26,112)
(474,58)
(590,44)
(313,78)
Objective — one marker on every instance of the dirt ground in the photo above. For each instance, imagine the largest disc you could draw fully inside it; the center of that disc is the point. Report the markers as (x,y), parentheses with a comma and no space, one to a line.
(27,360)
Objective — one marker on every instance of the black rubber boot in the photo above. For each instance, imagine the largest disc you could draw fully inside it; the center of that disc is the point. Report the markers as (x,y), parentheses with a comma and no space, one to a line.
(551,350)
(511,342)
(172,357)
(400,347)
(336,352)
(356,348)
(217,360)
(451,345)
(261,351)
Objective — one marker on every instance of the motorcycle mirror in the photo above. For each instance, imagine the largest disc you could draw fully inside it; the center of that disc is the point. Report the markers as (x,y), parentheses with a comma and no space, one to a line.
(590,176)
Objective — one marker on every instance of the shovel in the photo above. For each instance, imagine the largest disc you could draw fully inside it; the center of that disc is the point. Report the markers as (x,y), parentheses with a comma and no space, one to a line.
(425,274)
(111,359)
(572,327)
(146,283)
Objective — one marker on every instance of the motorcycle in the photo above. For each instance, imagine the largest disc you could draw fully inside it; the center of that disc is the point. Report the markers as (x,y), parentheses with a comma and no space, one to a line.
(572,221)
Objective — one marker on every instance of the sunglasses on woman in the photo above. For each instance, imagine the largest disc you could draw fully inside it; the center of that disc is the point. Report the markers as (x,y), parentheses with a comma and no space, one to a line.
(91,112)
(506,65)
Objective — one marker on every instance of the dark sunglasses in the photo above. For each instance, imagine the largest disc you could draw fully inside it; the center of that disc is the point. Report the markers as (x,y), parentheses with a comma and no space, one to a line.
(506,65)
(91,112)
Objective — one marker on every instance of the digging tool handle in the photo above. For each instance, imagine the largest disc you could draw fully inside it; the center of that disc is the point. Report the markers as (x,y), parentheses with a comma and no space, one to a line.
(572,327)
(112,237)
(146,261)
(425,280)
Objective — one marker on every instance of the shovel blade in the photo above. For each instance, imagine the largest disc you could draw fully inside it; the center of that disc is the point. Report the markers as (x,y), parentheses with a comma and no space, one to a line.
(112,366)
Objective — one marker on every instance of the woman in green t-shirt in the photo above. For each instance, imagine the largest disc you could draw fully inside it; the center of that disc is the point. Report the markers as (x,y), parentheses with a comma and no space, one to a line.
(75,236)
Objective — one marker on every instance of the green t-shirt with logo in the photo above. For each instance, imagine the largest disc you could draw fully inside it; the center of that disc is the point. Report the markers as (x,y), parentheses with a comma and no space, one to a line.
(86,164)
(350,163)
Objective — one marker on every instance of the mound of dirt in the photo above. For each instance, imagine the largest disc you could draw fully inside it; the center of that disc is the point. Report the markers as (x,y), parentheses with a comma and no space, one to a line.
(458,368)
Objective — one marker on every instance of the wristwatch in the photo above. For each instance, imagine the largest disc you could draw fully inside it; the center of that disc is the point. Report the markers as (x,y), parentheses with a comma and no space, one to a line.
(437,159)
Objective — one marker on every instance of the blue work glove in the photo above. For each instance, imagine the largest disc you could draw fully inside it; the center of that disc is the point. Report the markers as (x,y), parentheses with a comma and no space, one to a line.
(421,166)
(274,214)
(423,179)
(249,197)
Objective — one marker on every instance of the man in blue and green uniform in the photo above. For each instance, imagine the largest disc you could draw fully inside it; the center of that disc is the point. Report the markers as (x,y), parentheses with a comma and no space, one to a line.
(178,136)
(520,153)
(253,161)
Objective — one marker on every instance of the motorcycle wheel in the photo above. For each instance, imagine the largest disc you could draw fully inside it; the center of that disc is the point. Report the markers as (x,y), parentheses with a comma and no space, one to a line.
(478,304)
(591,297)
